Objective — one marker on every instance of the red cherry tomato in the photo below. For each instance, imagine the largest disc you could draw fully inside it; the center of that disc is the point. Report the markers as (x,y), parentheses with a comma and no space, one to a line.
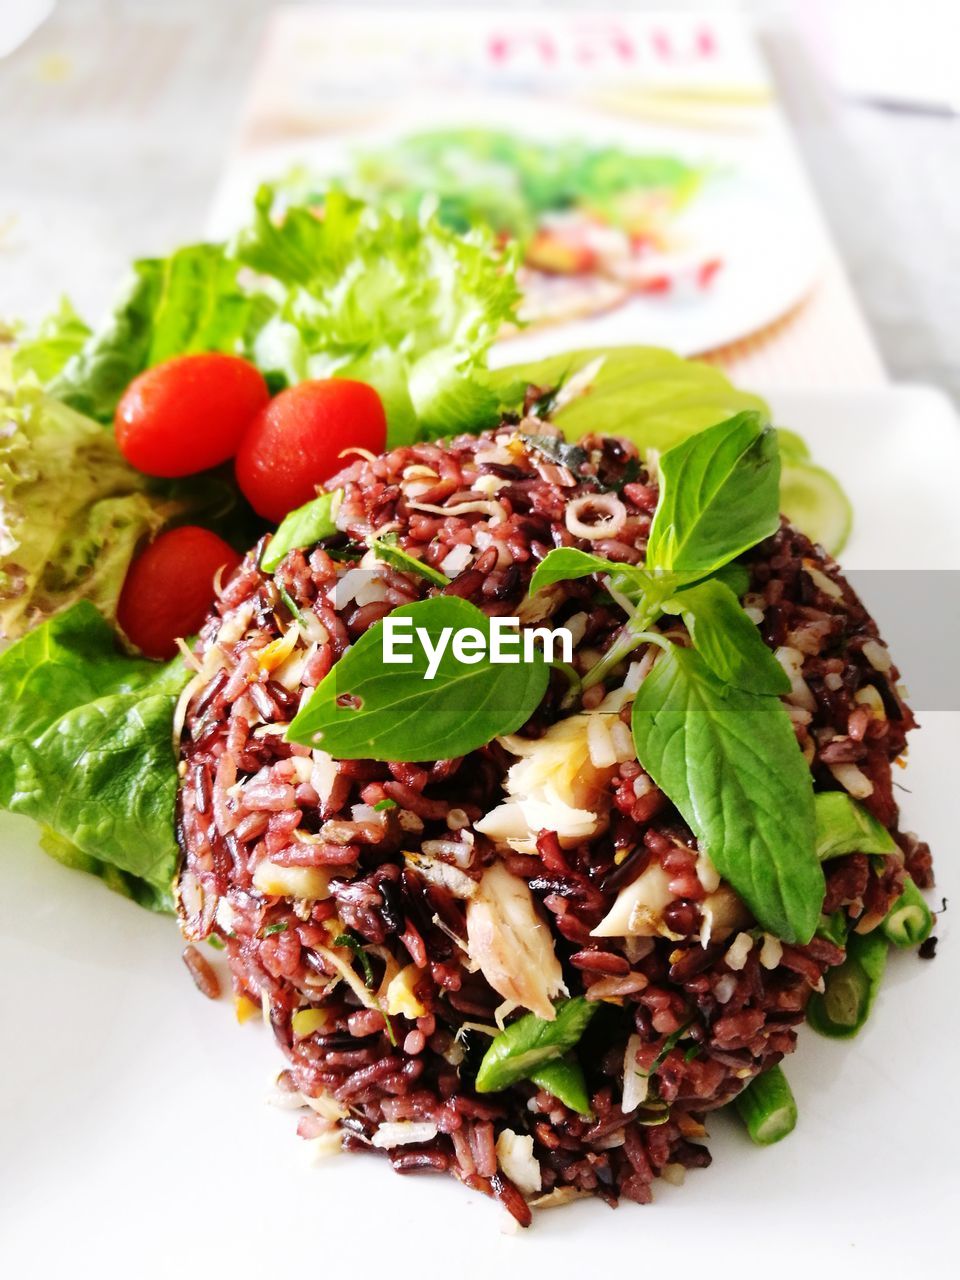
(294,444)
(169,588)
(189,413)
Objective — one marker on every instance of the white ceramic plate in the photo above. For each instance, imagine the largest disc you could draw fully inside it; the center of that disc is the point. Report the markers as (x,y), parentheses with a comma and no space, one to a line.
(755,213)
(135,1139)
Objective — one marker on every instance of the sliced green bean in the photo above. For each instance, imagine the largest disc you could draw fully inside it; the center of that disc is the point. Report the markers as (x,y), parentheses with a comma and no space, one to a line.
(850,989)
(909,921)
(531,1042)
(768,1108)
(564,1079)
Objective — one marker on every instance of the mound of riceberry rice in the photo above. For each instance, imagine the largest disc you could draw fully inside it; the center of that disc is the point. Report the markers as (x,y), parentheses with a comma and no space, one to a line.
(371,910)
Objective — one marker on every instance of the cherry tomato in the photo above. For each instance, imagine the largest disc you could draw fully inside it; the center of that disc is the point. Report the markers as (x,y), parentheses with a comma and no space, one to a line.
(169,588)
(189,413)
(294,444)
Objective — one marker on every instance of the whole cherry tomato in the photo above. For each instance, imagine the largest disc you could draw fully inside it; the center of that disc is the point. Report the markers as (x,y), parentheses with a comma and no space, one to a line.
(169,588)
(295,442)
(189,413)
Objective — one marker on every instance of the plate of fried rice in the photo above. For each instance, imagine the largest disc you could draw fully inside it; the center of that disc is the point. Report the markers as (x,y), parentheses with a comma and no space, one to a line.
(512,973)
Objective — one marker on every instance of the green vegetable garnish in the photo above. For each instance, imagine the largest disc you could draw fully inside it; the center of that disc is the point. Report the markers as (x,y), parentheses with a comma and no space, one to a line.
(564,1079)
(813,500)
(364,710)
(387,551)
(719,496)
(274,928)
(727,640)
(707,724)
(304,527)
(850,989)
(356,946)
(383,805)
(531,1043)
(909,921)
(844,826)
(86,749)
(730,762)
(767,1107)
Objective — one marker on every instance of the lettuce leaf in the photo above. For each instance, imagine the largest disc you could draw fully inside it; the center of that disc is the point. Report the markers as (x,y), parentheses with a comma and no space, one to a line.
(72,511)
(397,300)
(51,344)
(86,749)
(190,301)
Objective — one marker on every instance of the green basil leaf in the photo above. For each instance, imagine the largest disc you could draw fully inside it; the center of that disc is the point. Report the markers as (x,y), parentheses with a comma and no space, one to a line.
(304,527)
(564,1079)
(727,640)
(387,552)
(844,826)
(719,496)
(394,713)
(531,1042)
(850,989)
(651,396)
(565,564)
(730,762)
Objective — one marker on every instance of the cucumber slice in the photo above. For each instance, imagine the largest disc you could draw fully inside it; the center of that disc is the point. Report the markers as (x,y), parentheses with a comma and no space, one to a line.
(813,500)
(793,448)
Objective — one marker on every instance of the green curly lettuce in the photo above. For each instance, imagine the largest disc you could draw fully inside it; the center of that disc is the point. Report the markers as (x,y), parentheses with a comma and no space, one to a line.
(72,511)
(394,299)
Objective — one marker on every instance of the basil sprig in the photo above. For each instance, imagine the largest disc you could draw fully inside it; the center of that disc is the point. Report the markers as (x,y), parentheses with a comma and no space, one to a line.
(708,725)
(366,710)
(730,762)
(719,496)
(727,640)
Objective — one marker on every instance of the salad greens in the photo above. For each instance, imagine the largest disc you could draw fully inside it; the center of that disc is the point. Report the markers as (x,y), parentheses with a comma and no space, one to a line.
(365,710)
(87,750)
(417,327)
(190,301)
(72,511)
